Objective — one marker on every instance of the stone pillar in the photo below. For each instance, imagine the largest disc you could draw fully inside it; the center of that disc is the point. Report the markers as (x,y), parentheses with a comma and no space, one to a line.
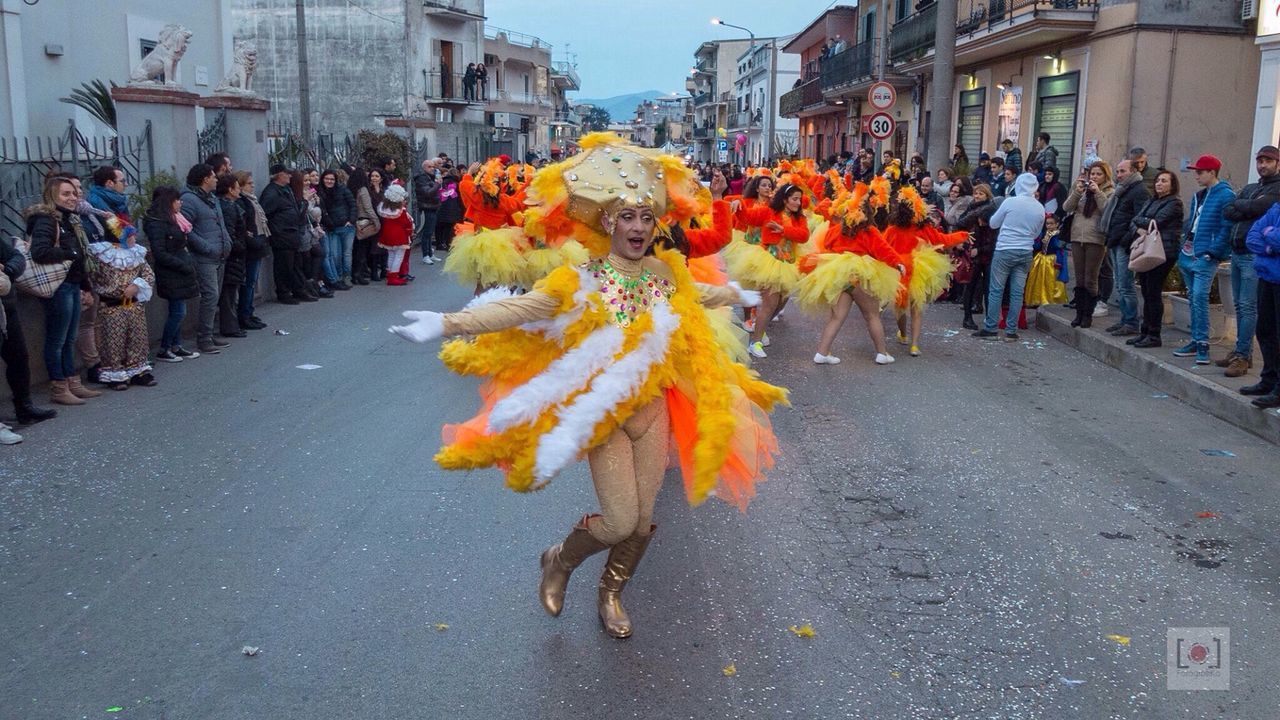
(172,112)
(246,132)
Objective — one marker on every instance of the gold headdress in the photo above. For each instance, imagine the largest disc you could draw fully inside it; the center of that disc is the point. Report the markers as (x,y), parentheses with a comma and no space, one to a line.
(572,196)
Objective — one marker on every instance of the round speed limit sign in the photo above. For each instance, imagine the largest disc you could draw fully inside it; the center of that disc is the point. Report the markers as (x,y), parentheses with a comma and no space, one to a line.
(881,126)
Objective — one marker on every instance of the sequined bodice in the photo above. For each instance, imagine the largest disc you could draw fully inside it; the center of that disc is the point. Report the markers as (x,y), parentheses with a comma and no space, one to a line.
(627,288)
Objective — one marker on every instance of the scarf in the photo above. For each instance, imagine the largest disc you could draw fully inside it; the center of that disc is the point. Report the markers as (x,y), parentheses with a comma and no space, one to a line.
(183,223)
(90,263)
(259,217)
(116,202)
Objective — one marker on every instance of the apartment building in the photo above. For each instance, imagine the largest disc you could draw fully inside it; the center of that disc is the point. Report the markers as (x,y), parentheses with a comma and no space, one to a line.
(711,83)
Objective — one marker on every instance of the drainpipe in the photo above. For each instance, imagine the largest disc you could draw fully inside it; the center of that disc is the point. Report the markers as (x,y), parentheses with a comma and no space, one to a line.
(1168,100)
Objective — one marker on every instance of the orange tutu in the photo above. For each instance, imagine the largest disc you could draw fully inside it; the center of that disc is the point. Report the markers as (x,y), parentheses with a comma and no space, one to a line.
(751,449)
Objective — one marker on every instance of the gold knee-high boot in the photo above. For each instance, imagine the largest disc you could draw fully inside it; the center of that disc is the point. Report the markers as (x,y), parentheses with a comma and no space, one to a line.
(618,569)
(558,561)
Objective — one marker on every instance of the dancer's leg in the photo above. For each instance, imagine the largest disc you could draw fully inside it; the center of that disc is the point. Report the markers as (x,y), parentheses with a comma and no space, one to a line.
(870,309)
(769,301)
(835,321)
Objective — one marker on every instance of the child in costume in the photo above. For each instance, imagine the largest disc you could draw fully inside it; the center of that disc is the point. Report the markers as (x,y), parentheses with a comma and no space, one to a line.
(613,360)
(928,271)
(396,234)
(852,264)
(123,281)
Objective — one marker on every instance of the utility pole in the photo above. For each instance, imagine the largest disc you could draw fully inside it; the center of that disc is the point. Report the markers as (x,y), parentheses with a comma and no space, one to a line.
(882,59)
(944,84)
(304,88)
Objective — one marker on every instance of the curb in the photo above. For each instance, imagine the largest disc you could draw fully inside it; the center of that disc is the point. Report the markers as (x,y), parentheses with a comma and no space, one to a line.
(1216,399)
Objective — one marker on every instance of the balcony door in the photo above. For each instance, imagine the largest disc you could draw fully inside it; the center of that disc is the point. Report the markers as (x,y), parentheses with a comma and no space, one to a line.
(1056,100)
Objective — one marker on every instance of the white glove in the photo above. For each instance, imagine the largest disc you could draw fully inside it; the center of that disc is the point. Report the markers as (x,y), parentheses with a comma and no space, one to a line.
(426,326)
(746,298)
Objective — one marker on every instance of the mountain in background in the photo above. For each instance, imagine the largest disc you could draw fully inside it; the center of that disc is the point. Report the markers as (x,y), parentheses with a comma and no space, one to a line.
(623,107)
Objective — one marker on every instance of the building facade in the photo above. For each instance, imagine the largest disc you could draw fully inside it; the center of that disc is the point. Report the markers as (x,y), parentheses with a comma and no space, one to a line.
(823,123)
(711,83)
(526,92)
(763,75)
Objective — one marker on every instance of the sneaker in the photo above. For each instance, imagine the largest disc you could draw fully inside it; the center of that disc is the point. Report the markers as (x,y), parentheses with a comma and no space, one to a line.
(757,350)
(749,324)
(1115,327)
(1202,354)
(8,436)
(1135,340)
(764,340)
(884,359)
(1239,367)
(915,351)
(1011,336)
(428,260)
(820,359)
(208,348)
(903,339)
(218,343)
(985,334)
(168,356)
(1125,331)
(1188,350)
(184,353)
(1267,401)
(1101,310)
(1150,341)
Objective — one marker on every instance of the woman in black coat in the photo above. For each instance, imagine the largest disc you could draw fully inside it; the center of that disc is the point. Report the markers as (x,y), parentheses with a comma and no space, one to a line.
(451,210)
(1165,209)
(175,267)
(228,193)
(981,249)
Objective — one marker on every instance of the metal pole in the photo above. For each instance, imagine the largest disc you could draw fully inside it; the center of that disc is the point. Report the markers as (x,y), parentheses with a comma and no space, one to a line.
(944,83)
(304,88)
(882,59)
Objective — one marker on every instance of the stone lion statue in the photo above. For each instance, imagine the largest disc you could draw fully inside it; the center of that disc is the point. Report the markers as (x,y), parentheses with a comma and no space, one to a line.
(163,60)
(244,59)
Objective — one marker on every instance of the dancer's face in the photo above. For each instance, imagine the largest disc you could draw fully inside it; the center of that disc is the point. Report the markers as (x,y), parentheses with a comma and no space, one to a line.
(631,230)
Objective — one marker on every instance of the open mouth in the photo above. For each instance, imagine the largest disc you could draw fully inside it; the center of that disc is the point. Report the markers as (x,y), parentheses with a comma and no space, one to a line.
(635,243)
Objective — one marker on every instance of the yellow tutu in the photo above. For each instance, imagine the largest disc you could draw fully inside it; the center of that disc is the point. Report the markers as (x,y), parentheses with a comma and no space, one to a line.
(837,272)
(729,335)
(488,257)
(930,275)
(757,269)
(539,262)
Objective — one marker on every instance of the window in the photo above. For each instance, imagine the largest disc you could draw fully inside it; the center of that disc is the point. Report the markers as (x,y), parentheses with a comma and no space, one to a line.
(903,9)
(869,26)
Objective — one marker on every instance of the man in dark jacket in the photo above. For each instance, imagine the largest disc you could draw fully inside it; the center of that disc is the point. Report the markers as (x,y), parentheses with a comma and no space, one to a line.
(1012,156)
(284,220)
(1128,198)
(13,349)
(228,192)
(209,241)
(426,190)
(1254,200)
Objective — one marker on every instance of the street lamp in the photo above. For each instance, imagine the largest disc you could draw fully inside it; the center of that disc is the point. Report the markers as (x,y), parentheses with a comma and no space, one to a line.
(718,21)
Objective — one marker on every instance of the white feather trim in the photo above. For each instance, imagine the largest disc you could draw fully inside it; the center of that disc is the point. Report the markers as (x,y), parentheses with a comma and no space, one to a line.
(554,328)
(568,374)
(490,295)
(566,441)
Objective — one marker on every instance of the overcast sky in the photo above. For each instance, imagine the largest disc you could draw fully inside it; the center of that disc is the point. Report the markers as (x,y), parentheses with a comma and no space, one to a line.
(625,47)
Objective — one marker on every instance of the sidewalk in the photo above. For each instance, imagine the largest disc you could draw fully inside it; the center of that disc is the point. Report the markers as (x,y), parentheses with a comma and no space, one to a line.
(1201,386)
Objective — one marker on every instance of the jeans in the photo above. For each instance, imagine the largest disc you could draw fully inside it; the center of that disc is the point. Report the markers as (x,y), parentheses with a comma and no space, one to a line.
(172,336)
(1152,282)
(61,321)
(337,253)
(209,278)
(1007,267)
(1122,276)
(87,334)
(1269,331)
(427,235)
(1244,293)
(1197,274)
(251,269)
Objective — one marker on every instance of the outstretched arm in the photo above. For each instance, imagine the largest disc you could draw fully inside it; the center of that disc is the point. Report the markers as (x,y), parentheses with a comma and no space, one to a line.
(489,317)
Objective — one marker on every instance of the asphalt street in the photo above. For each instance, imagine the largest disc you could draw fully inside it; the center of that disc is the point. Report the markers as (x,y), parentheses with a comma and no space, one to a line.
(992,530)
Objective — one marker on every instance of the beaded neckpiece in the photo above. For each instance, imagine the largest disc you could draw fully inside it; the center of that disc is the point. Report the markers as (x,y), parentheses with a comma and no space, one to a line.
(626,298)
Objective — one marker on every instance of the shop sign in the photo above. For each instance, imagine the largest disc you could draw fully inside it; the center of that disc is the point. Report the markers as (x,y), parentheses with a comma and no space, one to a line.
(1010,114)
(1268,17)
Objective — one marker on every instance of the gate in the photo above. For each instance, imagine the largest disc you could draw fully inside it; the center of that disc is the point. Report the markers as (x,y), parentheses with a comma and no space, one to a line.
(213,138)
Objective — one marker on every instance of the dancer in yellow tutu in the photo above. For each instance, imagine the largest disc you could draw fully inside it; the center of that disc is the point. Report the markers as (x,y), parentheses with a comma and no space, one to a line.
(928,270)
(852,264)
(491,256)
(765,260)
(614,361)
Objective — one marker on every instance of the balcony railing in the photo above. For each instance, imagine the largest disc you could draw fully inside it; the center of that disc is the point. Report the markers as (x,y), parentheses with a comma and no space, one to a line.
(453,88)
(807,95)
(810,70)
(850,66)
(703,133)
(515,38)
(522,98)
(974,15)
(564,69)
(913,37)
(705,98)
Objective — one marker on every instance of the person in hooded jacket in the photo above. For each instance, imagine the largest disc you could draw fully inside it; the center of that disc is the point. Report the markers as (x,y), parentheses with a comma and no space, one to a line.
(1020,220)
(228,192)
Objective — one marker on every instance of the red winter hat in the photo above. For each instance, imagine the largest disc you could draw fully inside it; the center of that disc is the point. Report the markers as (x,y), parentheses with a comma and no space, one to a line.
(505,159)
(1206,162)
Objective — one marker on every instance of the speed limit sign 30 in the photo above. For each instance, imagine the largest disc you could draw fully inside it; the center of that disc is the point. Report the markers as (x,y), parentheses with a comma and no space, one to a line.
(881,126)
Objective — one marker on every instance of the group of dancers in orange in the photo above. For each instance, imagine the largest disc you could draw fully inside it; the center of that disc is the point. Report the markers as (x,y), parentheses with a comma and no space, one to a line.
(821,238)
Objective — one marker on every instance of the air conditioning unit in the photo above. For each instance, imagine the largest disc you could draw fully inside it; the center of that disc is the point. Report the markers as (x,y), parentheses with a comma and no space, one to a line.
(1249,10)
(444,115)
(502,120)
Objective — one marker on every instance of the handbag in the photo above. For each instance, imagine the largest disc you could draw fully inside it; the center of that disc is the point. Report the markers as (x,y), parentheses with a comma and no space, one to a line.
(1147,252)
(40,279)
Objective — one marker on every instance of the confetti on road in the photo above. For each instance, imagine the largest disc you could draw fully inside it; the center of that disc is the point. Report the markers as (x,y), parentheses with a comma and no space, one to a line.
(1218,453)
(309,366)
(730,670)
(1207,515)
(441,627)
(1070,682)
(1122,639)
(115,709)
(249,650)
(1160,396)
(804,631)
(282,332)
(1117,536)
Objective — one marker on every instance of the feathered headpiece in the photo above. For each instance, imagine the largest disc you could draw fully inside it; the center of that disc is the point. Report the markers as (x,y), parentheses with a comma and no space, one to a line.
(919,209)
(491,173)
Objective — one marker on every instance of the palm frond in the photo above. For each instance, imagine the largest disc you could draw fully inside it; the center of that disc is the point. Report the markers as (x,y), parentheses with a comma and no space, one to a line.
(95,99)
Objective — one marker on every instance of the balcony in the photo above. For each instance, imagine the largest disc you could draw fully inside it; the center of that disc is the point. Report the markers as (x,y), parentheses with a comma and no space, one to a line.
(523,98)
(745,119)
(457,10)
(705,98)
(987,29)
(568,74)
(703,133)
(515,38)
(807,96)
(449,89)
(850,66)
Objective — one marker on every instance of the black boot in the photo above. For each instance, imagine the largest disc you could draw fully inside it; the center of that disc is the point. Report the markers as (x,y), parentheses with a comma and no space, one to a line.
(1078,302)
(1090,302)
(29,414)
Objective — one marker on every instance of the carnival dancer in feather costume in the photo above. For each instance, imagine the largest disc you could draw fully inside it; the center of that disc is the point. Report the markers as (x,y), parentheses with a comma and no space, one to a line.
(928,269)
(613,360)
